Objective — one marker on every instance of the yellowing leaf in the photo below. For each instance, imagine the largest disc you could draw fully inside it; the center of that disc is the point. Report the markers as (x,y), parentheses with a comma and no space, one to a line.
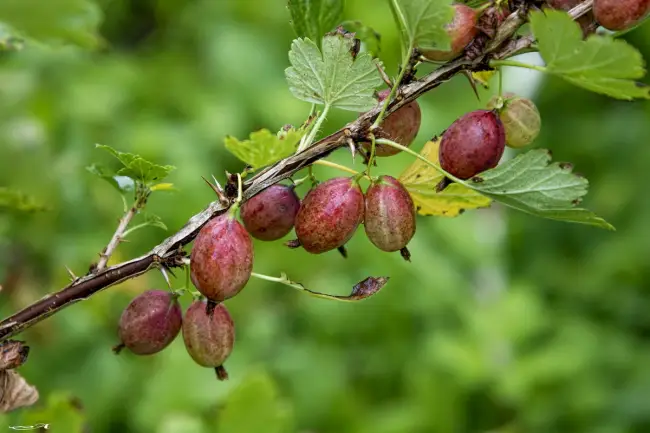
(421,180)
(163,187)
(483,77)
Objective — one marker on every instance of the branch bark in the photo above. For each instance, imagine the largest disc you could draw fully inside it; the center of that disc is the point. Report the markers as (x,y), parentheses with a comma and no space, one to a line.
(169,253)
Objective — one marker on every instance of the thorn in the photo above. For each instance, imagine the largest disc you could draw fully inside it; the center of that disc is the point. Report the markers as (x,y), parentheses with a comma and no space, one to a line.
(343,251)
(165,276)
(73,277)
(384,76)
(353,148)
(406,254)
(217,190)
(118,348)
(472,83)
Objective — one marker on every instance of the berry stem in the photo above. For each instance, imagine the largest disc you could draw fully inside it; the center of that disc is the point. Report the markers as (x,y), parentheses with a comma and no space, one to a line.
(500,82)
(497,63)
(418,156)
(371,158)
(335,165)
(221,372)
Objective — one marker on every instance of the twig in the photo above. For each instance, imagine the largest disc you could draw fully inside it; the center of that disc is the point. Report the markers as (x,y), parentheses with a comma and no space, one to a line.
(169,253)
(120,231)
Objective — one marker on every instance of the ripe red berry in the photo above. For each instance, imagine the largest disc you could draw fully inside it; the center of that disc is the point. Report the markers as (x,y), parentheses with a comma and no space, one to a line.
(329,215)
(390,214)
(270,215)
(209,338)
(401,127)
(472,144)
(222,258)
(620,14)
(520,117)
(462,30)
(150,322)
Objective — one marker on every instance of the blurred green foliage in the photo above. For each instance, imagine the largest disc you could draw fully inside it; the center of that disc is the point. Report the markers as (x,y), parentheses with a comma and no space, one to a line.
(502,322)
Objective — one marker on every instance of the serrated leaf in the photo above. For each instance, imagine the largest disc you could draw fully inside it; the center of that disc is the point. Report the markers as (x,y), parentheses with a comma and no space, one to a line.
(138,168)
(532,184)
(256,394)
(601,64)
(367,35)
(14,200)
(70,21)
(421,180)
(122,184)
(314,18)
(332,78)
(422,22)
(263,147)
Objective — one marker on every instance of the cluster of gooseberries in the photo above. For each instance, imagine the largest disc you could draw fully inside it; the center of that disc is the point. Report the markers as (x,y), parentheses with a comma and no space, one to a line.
(328,216)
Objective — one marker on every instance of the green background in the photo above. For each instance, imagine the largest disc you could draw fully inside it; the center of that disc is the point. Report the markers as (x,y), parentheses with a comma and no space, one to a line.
(501,323)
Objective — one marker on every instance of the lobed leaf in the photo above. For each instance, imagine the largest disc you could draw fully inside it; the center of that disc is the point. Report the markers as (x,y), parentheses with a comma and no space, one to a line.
(314,18)
(122,184)
(138,168)
(367,35)
(600,63)
(422,22)
(420,179)
(334,77)
(532,184)
(263,147)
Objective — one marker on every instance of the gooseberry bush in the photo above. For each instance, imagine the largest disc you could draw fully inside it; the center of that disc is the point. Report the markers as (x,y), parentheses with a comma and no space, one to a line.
(333,65)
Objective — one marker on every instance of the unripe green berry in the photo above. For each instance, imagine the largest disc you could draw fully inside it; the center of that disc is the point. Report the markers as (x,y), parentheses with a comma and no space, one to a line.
(520,119)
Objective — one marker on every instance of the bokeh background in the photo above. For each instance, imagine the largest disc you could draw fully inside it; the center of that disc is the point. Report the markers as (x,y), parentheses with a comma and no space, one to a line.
(502,322)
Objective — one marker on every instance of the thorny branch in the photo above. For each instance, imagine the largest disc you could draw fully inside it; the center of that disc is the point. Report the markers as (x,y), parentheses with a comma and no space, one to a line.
(170,254)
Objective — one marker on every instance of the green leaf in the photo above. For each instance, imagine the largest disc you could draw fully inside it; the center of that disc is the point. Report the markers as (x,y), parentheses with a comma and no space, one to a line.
(61,413)
(367,35)
(532,184)
(263,147)
(254,406)
(138,168)
(155,221)
(13,200)
(333,78)
(422,23)
(122,184)
(314,18)
(600,63)
(69,21)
